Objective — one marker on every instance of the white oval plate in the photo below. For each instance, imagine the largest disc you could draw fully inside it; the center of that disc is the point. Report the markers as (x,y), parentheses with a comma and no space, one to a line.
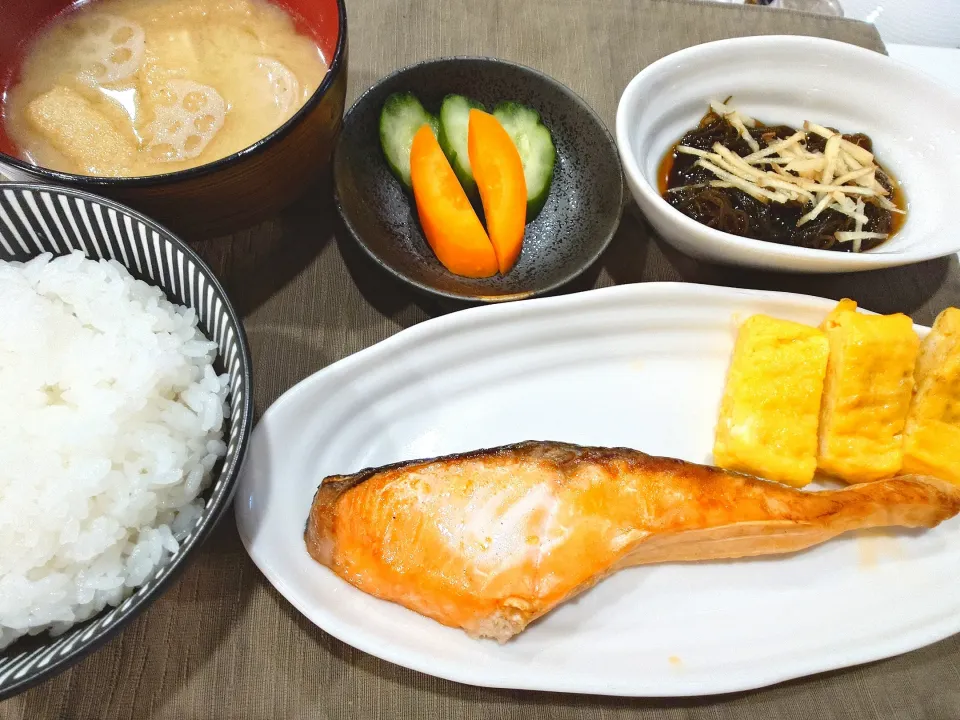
(640,366)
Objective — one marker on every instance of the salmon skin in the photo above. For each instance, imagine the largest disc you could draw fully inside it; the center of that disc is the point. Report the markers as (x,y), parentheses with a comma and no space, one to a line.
(488,541)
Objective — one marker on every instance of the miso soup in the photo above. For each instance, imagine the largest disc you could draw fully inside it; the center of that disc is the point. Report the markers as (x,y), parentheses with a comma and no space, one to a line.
(142,87)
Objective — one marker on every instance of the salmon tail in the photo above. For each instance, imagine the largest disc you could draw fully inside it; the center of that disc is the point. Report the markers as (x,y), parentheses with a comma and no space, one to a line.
(910,501)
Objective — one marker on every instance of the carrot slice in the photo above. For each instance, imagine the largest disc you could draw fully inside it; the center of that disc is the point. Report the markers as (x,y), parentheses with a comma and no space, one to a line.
(498,170)
(448,219)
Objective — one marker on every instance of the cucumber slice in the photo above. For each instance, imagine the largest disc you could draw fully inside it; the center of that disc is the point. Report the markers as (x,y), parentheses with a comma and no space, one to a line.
(402,115)
(454,123)
(535,145)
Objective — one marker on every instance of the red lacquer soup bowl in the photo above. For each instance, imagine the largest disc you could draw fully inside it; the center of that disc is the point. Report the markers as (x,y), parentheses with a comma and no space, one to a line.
(225,195)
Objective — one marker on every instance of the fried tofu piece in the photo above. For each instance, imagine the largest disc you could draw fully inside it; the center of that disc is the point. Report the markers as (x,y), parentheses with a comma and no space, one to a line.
(932,440)
(70,123)
(771,403)
(866,394)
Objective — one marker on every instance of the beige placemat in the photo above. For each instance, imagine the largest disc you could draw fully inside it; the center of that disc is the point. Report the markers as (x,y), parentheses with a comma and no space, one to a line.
(223,643)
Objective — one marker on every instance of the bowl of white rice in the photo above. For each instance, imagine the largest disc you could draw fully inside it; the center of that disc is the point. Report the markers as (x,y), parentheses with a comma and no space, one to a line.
(125,408)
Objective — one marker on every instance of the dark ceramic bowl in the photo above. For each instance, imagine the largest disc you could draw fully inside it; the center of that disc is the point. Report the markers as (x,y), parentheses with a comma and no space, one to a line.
(574,227)
(104,229)
(228,194)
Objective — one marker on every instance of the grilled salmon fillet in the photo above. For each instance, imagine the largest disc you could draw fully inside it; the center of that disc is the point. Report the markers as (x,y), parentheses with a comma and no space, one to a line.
(489,541)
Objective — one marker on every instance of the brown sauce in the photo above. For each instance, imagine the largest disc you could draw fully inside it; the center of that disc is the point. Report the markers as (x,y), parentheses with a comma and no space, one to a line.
(663,171)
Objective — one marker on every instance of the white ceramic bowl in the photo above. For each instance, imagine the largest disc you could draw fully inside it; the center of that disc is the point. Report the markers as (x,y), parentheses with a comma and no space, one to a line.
(913,121)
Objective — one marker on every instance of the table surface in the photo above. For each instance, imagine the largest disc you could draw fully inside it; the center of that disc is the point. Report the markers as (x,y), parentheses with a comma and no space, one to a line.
(942,64)
(223,643)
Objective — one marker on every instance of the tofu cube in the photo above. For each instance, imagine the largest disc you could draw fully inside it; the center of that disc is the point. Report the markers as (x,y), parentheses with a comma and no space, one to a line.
(771,403)
(79,131)
(866,394)
(932,439)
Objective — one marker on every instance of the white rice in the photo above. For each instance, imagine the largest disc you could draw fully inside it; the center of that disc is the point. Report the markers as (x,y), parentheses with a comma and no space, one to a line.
(111,419)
